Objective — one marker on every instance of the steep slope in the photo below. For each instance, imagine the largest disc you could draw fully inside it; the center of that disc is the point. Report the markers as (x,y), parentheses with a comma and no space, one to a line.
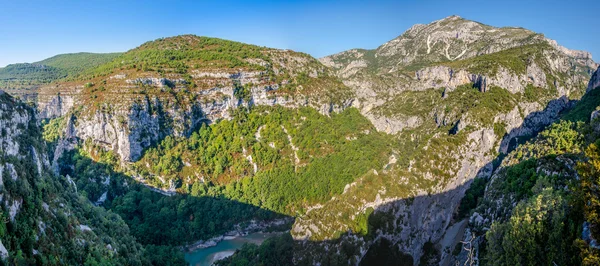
(538,207)
(452,119)
(543,196)
(232,136)
(44,220)
(451,52)
(171,86)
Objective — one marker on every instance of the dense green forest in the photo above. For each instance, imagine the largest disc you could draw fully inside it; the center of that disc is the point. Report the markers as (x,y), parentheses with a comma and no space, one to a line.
(179,53)
(155,218)
(301,157)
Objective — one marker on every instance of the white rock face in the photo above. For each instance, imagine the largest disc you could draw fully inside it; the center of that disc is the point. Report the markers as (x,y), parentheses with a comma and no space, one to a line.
(55,106)
(134,124)
(13,124)
(84,228)
(3,251)
(14,208)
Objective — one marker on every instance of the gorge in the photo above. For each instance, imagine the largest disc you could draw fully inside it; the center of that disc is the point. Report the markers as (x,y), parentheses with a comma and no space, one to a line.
(454,143)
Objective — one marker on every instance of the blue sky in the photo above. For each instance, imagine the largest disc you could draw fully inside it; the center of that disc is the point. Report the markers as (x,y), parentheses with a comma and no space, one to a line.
(34,30)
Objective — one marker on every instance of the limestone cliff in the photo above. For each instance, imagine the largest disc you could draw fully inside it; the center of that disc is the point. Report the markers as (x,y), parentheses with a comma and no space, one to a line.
(44,210)
(127,110)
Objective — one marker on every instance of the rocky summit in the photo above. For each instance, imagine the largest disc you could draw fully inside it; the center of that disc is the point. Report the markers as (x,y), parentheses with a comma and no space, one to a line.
(456,143)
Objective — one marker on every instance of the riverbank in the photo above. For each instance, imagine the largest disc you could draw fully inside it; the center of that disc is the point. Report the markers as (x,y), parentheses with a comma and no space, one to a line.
(223,249)
(243,229)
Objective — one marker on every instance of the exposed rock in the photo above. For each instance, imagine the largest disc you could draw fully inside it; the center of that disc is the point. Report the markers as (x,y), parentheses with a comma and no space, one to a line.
(586,235)
(14,208)
(102,199)
(84,228)
(54,106)
(394,125)
(535,120)
(595,115)
(594,81)
(3,251)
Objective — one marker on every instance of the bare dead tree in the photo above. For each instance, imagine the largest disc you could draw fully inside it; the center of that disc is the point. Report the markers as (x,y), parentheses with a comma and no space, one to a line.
(468,246)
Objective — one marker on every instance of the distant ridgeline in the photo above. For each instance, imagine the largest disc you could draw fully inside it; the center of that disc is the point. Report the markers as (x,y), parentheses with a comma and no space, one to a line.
(21,79)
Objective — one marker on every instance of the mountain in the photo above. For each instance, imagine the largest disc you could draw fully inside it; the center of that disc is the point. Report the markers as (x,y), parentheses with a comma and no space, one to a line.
(190,80)
(20,79)
(384,156)
(455,51)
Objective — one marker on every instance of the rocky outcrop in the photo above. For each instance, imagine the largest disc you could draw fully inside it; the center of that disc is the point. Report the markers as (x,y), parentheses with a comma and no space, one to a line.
(393,125)
(384,73)
(55,106)
(594,81)
(535,120)
(41,213)
(446,77)
(133,122)
(127,110)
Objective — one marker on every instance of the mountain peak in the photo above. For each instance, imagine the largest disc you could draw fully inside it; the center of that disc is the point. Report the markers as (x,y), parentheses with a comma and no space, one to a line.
(450,18)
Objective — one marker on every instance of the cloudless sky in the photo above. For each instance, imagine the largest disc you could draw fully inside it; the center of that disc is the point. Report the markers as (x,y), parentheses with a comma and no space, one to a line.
(34,30)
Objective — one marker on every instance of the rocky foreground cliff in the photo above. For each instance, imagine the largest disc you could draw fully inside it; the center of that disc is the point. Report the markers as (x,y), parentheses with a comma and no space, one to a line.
(44,220)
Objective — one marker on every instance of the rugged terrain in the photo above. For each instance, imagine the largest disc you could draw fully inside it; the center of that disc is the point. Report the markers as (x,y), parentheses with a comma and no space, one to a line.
(44,219)
(370,151)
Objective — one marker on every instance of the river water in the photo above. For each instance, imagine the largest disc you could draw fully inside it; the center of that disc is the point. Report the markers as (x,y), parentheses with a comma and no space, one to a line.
(225,248)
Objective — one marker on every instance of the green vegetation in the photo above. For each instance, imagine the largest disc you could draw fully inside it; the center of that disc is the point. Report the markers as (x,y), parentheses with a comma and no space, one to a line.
(274,251)
(155,219)
(53,129)
(301,157)
(514,59)
(75,64)
(552,198)
(471,198)
(540,231)
(52,223)
(590,180)
(582,110)
(480,107)
(178,54)
(520,178)
(383,252)
(51,69)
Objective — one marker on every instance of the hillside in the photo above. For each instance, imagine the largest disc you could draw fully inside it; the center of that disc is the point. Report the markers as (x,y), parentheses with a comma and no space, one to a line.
(366,152)
(451,52)
(550,178)
(23,79)
(186,81)
(45,221)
